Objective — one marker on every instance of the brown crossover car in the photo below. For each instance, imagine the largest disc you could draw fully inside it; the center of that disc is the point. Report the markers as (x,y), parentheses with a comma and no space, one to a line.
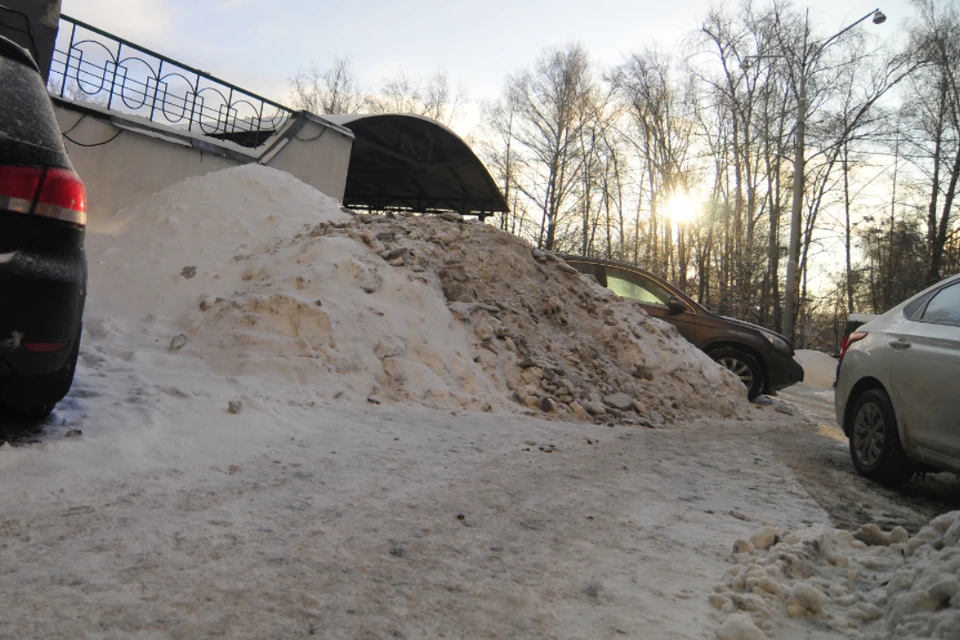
(761,358)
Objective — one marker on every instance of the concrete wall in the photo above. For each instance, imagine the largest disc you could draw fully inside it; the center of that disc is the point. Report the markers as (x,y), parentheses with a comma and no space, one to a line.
(125,159)
(125,166)
(319,155)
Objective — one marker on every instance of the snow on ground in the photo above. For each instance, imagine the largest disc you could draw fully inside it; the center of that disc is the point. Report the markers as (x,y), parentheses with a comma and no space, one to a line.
(289,420)
(819,369)
(867,584)
(814,397)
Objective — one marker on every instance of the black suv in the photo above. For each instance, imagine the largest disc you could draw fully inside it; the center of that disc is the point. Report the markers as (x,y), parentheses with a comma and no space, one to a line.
(761,358)
(43,268)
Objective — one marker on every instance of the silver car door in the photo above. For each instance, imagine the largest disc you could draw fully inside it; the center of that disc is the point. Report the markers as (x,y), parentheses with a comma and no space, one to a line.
(924,361)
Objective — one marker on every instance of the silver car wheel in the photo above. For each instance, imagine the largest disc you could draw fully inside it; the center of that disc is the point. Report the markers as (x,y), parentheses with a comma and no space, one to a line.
(740,369)
(868,434)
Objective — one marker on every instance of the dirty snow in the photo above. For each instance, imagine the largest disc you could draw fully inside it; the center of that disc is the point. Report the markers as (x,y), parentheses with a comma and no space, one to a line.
(291,420)
(868,584)
(439,313)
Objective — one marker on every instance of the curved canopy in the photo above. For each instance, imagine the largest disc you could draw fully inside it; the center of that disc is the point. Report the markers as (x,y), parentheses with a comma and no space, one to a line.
(411,163)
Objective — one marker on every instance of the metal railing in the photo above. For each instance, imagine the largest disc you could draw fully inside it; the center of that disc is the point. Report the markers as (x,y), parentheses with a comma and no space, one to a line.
(91,65)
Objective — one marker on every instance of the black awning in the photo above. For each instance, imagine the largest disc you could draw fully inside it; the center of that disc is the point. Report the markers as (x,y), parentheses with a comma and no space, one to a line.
(403,162)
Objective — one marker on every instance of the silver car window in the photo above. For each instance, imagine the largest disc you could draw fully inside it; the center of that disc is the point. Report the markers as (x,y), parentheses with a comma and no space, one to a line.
(944,307)
(915,308)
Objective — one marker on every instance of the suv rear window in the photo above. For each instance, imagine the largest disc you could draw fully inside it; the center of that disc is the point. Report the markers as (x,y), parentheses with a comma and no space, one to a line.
(636,287)
(29,131)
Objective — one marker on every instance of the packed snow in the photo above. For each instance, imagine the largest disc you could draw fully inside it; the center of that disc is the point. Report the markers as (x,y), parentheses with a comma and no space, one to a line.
(291,420)
(869,584)
(422,310)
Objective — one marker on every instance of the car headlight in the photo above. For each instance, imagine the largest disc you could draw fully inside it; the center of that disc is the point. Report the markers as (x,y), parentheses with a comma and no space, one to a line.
(778,343)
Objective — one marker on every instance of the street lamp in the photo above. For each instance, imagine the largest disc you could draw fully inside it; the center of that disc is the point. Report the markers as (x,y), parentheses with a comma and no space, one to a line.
(793,252)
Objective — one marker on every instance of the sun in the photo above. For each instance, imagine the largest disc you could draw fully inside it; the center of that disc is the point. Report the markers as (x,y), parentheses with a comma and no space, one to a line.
(682,208)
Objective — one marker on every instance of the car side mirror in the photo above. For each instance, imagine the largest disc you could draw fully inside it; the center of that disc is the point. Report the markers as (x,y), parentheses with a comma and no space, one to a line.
(675,305)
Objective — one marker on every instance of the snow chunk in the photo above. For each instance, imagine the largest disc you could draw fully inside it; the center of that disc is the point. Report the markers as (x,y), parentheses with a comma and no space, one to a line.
(739,626)
(620,401)
(765,538)
(872,535)
(804,599)
(887,584)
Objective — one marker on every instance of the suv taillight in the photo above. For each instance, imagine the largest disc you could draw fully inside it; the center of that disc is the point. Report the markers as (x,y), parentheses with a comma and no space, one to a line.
(856,336)
(52,193)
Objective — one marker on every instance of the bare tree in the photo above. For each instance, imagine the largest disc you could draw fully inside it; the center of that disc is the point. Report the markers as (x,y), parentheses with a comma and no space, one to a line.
(432,98)
(745,124)
(498,151)
(554,104)
(330,91)
(933,118)
(661,111)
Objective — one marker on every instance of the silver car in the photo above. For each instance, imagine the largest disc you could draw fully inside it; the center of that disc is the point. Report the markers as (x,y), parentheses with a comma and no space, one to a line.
(898,391)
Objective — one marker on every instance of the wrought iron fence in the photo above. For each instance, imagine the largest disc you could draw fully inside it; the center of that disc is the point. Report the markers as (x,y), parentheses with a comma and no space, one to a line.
(94,66)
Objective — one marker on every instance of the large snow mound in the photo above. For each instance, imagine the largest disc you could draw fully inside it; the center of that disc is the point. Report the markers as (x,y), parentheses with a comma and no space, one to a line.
(250,272)
(869,584)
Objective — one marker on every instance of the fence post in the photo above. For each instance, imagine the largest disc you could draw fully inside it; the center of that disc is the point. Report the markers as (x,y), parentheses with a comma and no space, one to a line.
(153,105)
(66,65)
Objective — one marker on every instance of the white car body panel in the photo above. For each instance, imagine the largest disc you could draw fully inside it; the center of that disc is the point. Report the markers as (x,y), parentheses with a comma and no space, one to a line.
(918,364)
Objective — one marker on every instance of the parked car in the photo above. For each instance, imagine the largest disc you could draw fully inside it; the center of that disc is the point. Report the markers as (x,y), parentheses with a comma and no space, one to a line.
(43,270)
(898,392)
(761,358)
(854,322)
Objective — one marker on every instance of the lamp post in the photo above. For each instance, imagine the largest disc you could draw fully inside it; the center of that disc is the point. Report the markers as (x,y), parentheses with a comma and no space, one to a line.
(808,56)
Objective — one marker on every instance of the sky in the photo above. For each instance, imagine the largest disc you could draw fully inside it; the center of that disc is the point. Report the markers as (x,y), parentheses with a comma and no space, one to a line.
(259,45)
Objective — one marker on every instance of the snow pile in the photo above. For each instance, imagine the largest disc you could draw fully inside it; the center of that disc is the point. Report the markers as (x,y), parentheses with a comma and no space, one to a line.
(819,369)
(870,584)
(249,272)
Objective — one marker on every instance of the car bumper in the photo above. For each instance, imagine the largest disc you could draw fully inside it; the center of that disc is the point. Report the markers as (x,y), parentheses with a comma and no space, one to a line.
(783,371)
(43,300)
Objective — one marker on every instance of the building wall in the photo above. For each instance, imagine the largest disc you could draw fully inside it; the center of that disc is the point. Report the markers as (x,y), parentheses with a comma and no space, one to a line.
(124,167)
(318,155)
(122,161)
(42,18)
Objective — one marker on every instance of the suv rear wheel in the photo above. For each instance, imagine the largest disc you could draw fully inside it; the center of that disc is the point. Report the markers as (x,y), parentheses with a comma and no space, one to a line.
(744,366)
